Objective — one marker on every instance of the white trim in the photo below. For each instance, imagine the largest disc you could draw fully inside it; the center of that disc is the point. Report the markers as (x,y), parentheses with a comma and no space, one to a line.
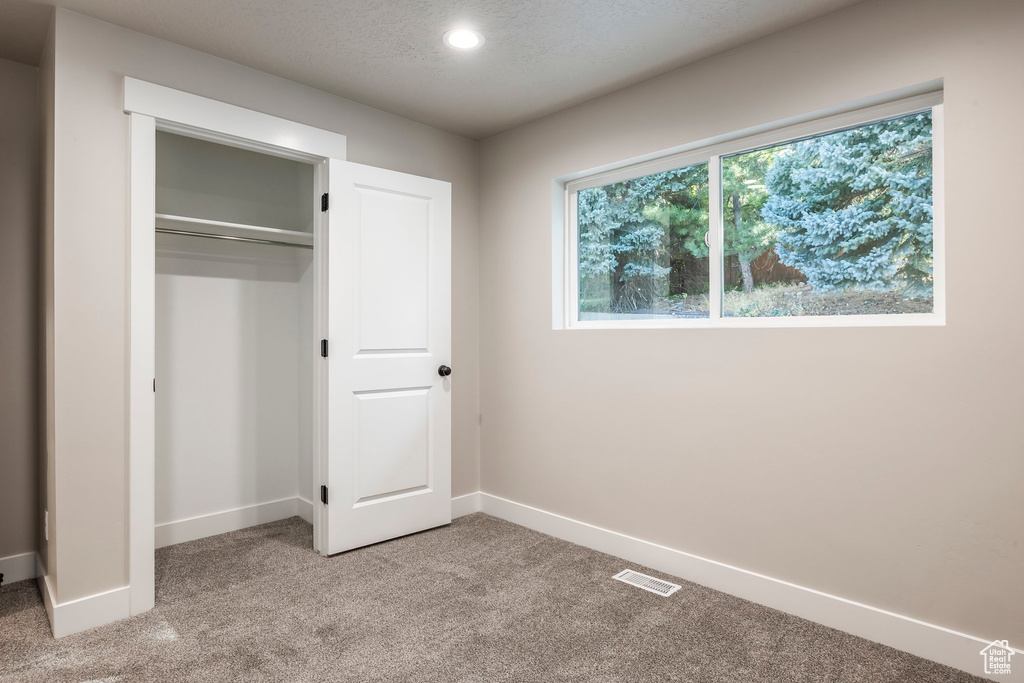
(49,594)
(465,505)
(936,643)
(91,611)
(304,509)
(153,107)
(103,608)
(141,362)
(560,288)
(321,282)
(19,567)
(572,260)
(668,322)
(716,241)
(189,114)
(85,613)
(193,528)
(565,278)
(939,210)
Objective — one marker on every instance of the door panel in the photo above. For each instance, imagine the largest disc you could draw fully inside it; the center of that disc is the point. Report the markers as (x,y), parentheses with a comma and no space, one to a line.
(387,459)
(394,237)
(392,461)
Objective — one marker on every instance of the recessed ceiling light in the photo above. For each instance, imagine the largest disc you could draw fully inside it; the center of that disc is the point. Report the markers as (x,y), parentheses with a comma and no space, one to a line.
(463,39)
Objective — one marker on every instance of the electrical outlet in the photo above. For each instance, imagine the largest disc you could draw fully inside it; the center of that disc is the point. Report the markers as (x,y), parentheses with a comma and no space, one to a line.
(46,525)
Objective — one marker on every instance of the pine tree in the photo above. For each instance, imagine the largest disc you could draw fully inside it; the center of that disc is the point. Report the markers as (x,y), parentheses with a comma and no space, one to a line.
(744,194)
(628,230)
(853,210)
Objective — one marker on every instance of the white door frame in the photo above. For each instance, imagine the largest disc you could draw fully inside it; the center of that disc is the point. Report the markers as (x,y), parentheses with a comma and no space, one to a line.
(150,108)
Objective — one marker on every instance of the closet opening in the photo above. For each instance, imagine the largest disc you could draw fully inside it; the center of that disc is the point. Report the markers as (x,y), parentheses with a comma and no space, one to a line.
(235,345)
(239,269)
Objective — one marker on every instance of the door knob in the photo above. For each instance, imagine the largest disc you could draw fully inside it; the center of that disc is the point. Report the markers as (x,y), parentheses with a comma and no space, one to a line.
(444,371)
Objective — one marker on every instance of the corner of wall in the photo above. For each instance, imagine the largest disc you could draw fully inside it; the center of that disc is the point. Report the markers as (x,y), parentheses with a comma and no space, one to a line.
(47,483)
(19,331)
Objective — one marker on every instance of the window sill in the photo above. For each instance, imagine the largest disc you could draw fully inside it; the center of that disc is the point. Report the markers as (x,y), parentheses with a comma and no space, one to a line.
(668,323)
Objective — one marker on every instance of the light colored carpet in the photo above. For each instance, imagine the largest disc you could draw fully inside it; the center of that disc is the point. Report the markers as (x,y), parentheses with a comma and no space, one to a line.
(482,600)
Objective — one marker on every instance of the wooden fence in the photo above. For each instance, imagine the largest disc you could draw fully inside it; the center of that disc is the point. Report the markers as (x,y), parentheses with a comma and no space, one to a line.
(766,269)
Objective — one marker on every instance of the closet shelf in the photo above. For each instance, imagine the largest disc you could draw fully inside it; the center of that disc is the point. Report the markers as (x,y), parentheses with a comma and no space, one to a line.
(200,226)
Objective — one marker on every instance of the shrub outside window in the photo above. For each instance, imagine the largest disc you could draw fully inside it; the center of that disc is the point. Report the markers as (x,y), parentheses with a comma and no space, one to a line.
(833,222)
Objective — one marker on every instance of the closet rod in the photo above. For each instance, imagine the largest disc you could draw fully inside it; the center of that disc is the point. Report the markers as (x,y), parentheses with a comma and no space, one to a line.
(232,237)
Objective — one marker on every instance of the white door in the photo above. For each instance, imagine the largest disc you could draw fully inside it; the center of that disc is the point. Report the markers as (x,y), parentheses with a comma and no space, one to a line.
(387,458)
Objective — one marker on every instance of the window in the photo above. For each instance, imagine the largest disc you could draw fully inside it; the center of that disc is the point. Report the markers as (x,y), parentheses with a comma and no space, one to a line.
(641,246)
(833,222)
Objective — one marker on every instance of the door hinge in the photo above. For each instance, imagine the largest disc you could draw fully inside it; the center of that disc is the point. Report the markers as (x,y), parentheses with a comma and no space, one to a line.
(154,385)
(324,202)
(323,348)
(323,495)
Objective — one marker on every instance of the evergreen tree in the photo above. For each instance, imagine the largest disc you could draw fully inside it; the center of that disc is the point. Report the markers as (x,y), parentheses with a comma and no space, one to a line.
(627,232)
(744,194)
(853,210)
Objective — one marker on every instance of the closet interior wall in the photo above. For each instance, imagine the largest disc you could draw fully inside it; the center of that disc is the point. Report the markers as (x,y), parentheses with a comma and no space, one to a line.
(234,343)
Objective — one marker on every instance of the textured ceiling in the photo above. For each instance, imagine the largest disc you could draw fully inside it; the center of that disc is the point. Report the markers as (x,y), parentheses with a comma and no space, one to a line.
(539,56)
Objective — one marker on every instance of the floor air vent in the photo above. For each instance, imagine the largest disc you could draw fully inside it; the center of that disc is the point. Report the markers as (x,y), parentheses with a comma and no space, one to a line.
(648,583)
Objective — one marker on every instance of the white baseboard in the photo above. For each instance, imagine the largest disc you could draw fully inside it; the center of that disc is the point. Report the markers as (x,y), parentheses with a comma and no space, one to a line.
(18,567)
(304,509)
(939,644)
(103,608)
(79,615)
(465,505)
(49,596)
(929,641)
(194,528)
(91,611)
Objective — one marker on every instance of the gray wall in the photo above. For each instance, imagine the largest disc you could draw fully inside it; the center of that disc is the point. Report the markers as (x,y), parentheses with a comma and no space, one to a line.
(882,465)
(47,481)
(89,256)
(19,305)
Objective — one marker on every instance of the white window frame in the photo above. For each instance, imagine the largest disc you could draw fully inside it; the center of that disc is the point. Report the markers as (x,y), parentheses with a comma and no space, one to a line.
(712,154)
